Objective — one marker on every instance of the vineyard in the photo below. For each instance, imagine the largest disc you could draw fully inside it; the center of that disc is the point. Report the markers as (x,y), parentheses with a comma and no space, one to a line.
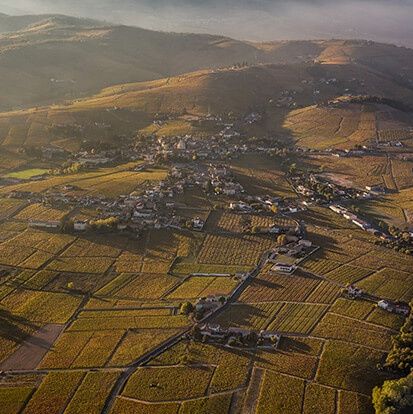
(233,250)
(197,287)
(98,303)
(271,288)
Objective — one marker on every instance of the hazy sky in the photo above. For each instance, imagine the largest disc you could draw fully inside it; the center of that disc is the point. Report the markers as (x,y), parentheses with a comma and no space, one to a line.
(383,20)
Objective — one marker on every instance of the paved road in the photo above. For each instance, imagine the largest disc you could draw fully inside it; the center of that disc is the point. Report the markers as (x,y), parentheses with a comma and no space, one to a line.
(120,383)
(122,380)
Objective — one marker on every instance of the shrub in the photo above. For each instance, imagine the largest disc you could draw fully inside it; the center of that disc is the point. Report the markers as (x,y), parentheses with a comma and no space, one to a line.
(394,397)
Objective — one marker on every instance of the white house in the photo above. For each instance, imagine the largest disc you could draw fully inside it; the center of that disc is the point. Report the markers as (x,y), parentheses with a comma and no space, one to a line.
(305,243)
(80,225)
(198,224)
(283,268)
(46,224)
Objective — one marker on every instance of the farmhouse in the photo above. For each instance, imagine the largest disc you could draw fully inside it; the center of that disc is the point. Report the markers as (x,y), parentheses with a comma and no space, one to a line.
(198,224)
(354,292)
(209,331)
(400,309)
(209,303)
(94,161)
(45,224)
(376,189)
(360,223)
(268,340)
(283,268)
(80,225)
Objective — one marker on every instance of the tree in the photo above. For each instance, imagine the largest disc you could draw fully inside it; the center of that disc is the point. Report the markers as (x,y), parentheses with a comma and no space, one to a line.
(222,300)
(400,358)
(394,397)
(104,224)
(186,308)
(282,240)
(196,333)
(252,338)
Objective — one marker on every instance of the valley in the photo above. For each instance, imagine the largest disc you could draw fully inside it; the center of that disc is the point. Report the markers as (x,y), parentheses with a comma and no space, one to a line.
(195,224)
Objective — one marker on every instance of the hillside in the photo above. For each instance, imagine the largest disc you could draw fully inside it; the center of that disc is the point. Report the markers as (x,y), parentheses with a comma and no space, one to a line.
(294,99)
(349,124)
(71,58)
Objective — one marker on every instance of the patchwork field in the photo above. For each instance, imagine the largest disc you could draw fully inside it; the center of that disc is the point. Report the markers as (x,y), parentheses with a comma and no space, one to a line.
(114,305)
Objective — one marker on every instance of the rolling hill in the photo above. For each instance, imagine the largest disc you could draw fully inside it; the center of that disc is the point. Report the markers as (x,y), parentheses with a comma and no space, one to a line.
(293,97)
(50,58)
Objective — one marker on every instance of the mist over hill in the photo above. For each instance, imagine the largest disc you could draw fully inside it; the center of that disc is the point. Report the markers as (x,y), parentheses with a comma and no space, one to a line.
(377,20)
(74,57)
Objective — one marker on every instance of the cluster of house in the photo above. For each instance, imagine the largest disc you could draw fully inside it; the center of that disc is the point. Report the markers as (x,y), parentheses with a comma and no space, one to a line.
(223,146)
(237,337)
(286,99)
(253,118)
(319,190)
(362,224)
(353,292)
(248,204)
(353,152)
(390,144)
(209,304)
(295,251)
(398,308)
(45,224)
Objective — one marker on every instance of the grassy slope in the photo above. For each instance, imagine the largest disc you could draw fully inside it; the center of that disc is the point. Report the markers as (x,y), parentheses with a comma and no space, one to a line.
(94,55)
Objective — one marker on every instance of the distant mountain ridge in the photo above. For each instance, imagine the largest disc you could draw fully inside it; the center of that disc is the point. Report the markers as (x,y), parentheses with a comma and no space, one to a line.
(50,58)
(15,23)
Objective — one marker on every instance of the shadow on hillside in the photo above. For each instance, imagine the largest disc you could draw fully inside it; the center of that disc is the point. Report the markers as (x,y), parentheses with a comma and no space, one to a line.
(242,318)
(294,345)
(14,328)
(257,282)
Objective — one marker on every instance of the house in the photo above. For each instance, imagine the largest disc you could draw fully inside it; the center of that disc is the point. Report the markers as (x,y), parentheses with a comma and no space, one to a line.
(268,340)
(360,223)
(209,331)
(45,224)
(198,224)
(241,206)
(305,243)
(354,292)
(181,146)
(393,307)
(283,268)
(209,303)
(80,225)
(376,189)
(350,216)
(242,276)
(122,226)
(229,191)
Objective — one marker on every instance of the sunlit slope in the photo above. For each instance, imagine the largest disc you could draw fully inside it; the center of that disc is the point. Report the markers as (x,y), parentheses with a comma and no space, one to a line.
(126,108)
(348,125)
(245,89)
(46,59)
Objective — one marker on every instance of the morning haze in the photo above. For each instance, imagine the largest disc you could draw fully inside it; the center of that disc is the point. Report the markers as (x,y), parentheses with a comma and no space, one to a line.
(206,207)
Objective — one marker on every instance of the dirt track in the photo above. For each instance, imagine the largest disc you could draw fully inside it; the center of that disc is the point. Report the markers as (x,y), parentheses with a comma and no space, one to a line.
(33,349)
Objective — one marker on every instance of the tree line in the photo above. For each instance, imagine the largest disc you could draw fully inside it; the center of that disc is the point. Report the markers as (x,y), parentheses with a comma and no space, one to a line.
(396,396)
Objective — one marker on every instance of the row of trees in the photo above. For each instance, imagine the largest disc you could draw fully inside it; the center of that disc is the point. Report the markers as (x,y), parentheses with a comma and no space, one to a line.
(70,169)
(396,397)
(104,224)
